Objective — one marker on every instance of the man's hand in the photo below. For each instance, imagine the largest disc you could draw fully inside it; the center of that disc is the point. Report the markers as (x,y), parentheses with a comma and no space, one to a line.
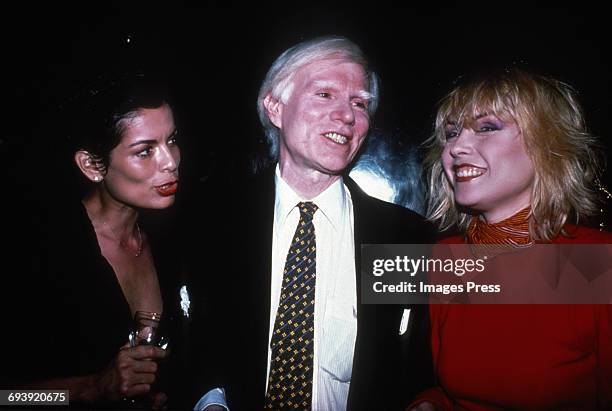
(426,406)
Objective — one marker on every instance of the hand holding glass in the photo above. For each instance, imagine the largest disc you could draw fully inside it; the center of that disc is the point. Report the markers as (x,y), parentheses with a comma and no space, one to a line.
(148,329)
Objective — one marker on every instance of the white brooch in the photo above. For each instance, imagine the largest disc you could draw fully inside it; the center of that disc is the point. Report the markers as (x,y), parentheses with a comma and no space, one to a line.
(184,300)
(404,323)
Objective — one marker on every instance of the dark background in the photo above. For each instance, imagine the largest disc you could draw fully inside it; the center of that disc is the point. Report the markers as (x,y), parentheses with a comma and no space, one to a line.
(217,56)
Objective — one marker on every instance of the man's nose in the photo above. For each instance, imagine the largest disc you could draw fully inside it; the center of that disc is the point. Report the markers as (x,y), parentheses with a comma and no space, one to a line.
(343,111)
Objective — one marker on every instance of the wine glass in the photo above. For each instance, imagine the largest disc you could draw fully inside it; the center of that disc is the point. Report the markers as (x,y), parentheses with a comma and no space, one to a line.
(149,328)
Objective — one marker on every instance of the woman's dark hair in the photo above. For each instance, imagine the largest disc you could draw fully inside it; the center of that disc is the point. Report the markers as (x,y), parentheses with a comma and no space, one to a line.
(99,117)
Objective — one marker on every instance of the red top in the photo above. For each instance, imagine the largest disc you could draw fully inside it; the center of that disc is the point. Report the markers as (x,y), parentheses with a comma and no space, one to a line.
(527,357)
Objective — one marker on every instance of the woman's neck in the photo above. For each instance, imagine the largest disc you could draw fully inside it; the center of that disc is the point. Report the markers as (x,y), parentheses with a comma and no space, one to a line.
(102,210)
(500,214)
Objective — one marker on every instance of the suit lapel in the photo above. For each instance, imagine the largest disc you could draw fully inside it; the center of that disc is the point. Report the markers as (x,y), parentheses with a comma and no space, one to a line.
(373,321)
(359,229)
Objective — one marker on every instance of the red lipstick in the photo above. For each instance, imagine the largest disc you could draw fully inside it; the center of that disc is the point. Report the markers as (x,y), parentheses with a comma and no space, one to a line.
(168,189)
(467,172)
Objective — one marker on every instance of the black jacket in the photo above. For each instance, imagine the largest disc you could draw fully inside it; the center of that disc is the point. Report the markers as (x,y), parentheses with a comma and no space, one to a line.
(388,369)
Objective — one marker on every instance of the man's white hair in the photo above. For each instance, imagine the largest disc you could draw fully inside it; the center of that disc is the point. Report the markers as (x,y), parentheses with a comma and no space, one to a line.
(279,80)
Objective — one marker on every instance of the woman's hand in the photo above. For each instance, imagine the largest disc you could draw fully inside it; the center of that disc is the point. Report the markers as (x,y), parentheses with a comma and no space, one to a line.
(130,374)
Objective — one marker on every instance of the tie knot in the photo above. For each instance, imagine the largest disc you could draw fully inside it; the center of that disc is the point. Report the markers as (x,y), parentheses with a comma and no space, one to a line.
(307,210)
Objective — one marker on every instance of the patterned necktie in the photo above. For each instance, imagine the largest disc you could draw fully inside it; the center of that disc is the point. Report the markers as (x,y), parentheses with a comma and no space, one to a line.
(290,381)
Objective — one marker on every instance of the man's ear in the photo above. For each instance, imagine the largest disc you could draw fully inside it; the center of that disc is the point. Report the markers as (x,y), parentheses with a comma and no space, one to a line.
(88,165)
(274,109)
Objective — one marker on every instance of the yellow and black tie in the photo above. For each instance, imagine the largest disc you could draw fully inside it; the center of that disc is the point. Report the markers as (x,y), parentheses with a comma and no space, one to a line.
(290,381)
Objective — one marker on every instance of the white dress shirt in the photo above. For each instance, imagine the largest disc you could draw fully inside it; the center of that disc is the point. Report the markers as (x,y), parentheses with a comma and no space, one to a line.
(335,320)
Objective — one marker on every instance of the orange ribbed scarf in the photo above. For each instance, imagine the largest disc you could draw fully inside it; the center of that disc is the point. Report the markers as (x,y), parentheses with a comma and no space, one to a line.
(502,237)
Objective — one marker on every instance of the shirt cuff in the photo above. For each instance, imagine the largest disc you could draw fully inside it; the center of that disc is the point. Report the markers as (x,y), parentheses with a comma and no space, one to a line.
(216,396)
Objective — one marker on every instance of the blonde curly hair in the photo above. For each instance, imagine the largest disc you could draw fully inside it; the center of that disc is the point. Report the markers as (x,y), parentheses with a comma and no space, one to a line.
(566,157)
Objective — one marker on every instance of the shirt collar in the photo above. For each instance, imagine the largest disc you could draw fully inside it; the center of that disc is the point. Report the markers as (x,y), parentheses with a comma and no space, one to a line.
(331,202)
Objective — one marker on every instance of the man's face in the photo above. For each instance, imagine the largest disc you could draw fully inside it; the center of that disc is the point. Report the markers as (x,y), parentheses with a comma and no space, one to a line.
(325,119)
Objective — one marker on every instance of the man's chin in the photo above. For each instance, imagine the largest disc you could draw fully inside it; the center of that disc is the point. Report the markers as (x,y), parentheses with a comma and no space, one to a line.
(333,171)
(335,167)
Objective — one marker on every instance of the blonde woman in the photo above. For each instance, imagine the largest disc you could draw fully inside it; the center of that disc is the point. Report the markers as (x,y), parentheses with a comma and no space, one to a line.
(511,163)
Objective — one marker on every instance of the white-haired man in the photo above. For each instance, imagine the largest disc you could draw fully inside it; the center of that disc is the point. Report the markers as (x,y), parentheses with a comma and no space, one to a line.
(300,337)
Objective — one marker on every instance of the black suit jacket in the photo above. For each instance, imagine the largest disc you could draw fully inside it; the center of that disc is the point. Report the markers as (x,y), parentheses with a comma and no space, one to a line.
(388,369)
